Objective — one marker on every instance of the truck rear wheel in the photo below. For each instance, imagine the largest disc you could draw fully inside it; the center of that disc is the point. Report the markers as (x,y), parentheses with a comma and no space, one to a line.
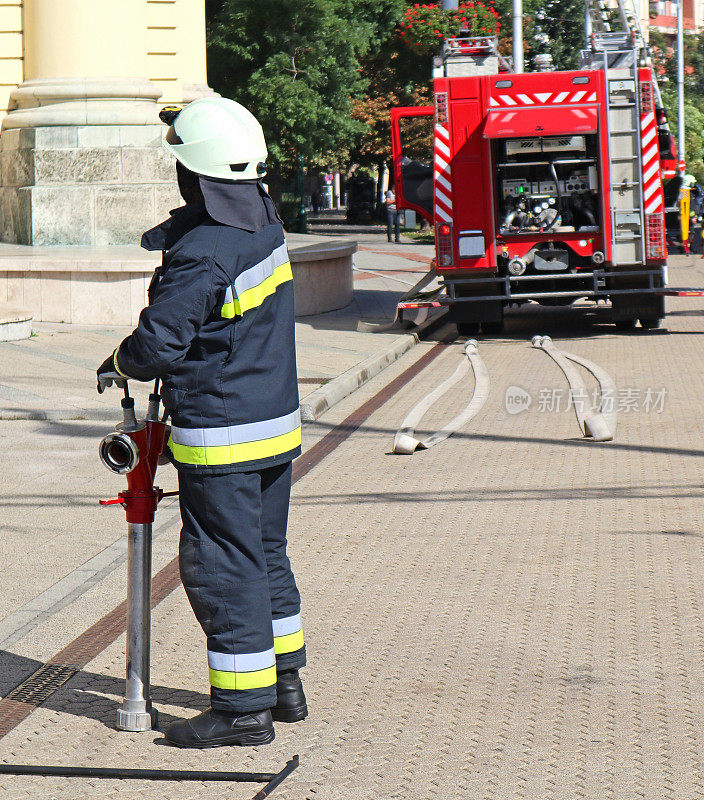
(625,324)
(649,309)
(470,316)
(468,328)
(651,323)
(493,328)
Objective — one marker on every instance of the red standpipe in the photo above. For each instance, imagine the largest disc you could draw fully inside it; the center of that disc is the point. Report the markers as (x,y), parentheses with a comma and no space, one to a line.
(142,497)
(133,450)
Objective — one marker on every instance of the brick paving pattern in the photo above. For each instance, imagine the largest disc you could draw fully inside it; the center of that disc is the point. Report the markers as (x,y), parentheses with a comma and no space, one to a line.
(516,613)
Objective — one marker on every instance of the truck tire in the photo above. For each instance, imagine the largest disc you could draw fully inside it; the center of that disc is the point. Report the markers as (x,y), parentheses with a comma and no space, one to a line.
(648,308)
(651,323)
(467,328)
(493,328)
(625,324)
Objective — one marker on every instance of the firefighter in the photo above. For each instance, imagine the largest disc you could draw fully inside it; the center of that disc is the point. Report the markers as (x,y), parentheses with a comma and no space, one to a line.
(219,332)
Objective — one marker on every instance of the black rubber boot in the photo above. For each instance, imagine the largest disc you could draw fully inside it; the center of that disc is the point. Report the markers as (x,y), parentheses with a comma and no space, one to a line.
(215,728)
(290,699)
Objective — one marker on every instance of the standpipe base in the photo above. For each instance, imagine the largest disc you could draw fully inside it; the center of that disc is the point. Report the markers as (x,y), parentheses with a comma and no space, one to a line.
(137,721)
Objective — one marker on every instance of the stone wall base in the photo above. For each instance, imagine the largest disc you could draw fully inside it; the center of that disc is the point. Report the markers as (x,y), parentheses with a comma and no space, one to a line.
(108,286)
(84,185)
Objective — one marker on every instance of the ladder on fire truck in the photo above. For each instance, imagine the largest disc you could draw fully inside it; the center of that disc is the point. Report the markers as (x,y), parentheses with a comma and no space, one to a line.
(620,53)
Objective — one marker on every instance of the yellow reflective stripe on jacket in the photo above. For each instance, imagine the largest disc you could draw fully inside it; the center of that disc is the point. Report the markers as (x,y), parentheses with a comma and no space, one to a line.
(228,309)
(289,643)
(255,296)
(236,453)
(116,365)
(259,679)
(257,282)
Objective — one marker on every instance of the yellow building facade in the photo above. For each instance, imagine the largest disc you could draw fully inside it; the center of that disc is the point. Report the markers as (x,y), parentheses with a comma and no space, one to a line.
(160,40)
(81,85)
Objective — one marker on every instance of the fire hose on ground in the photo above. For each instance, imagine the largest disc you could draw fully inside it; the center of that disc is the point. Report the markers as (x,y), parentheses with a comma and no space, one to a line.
(597,424)
(405,443)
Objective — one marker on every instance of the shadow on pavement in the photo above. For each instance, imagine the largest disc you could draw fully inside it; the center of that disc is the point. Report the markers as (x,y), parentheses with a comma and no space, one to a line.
(369,304)
(537,440)
(506,495)
(93,696)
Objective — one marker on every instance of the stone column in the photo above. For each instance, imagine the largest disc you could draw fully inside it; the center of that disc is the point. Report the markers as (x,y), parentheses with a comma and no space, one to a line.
(81,161)
(192,50)
(84,65)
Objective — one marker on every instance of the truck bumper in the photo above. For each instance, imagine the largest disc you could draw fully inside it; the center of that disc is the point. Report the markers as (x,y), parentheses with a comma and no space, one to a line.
(597,285)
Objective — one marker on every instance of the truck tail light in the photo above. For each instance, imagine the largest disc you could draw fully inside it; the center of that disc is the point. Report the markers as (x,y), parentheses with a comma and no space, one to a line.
(647,100)
(655,235)
(443,244)
(441,117)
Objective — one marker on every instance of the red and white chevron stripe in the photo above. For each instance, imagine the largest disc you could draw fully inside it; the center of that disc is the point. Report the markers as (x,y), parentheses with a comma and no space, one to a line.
(542,99)
(653,200)
(443,175)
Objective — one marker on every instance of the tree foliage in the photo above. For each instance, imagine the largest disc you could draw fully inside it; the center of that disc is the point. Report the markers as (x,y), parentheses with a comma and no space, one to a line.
(665,64)
(555,27)
(321,75)
(398,73)
(295,64)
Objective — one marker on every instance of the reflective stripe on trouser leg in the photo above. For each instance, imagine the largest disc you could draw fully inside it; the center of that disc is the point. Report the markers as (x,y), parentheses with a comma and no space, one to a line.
(224,572)
(242,671)
(285,599)
(288,639)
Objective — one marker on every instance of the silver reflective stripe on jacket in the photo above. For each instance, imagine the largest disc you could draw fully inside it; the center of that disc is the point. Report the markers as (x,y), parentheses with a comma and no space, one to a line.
(236,434)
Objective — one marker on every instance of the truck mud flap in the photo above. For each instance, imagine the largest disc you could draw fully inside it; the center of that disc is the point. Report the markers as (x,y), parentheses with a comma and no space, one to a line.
(637,306)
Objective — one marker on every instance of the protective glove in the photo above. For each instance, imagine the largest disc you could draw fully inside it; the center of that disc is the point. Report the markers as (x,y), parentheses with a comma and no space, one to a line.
(108,374)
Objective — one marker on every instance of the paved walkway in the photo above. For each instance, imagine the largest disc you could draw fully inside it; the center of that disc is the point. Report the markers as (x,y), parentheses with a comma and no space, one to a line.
(49,376)
(513,614)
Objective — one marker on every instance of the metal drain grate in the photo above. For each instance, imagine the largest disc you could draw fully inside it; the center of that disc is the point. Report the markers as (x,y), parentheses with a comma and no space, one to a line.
(42,683)
(21,701)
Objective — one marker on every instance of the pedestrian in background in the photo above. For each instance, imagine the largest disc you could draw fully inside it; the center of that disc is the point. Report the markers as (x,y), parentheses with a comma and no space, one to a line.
(392,220)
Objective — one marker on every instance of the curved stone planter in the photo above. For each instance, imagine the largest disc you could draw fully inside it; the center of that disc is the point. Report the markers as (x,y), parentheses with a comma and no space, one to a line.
(108,285)
(14,324)
(322,276)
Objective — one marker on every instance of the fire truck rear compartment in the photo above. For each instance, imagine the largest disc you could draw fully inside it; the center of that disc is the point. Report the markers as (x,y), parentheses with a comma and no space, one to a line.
(550,244)
(546,185)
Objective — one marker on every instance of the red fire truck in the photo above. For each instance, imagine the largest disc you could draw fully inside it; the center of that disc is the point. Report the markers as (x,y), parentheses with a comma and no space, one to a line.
(545,186)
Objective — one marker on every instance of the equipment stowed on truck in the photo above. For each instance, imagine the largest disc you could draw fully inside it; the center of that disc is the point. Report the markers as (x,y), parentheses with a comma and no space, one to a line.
(545,186)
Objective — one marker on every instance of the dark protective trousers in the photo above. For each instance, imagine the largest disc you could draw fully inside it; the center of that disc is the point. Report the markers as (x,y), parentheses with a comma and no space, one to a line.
(239,581)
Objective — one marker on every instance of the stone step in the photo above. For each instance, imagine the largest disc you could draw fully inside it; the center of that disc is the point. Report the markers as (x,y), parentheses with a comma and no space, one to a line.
(14,324)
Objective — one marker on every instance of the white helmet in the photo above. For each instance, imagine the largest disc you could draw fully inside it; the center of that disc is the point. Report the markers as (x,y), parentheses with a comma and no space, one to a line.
(216,137)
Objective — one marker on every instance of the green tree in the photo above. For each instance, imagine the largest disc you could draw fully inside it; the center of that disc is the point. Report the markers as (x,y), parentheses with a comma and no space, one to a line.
(555,27)
(693,129)
(398,72)
(665,64)
(295,64)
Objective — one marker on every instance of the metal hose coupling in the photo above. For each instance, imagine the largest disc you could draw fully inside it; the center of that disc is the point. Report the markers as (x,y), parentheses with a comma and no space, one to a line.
(119,453)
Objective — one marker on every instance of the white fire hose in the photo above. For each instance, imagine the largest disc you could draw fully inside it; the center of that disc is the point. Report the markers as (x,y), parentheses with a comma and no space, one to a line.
(599,424)
(405,442)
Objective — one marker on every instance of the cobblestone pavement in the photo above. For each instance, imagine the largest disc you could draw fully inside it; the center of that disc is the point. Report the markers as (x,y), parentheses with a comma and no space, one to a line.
(515,613)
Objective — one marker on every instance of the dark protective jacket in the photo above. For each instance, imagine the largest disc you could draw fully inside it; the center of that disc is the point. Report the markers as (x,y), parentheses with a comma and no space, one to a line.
(219,332)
